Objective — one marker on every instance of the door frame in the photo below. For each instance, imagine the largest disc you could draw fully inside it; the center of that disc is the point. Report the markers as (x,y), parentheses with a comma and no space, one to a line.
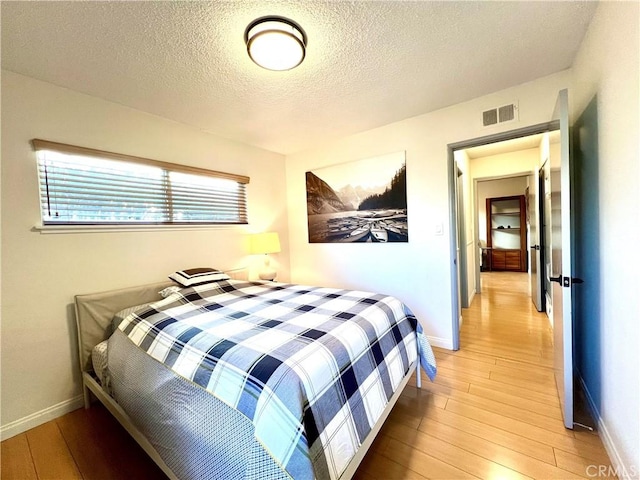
(462,243)
(542,286)
(452,170)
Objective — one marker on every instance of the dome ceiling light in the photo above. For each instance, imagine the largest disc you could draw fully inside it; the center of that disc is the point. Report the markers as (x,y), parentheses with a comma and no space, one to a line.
(275,43)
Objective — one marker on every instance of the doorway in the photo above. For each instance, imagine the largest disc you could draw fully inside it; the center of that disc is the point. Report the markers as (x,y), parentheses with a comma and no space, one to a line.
(559,221)
(488,146)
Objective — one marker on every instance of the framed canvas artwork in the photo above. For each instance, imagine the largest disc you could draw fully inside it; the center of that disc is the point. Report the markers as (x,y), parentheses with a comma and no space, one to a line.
(363,201)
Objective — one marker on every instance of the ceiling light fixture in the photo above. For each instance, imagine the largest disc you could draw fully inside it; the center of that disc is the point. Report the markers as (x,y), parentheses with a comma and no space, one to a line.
(275,43)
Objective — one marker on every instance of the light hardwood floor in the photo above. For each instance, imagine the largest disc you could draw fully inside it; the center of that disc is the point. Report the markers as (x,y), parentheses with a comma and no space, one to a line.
(492,412)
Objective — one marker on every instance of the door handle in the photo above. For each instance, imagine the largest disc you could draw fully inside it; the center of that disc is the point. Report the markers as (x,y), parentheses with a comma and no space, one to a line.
(565,281)
(535,247)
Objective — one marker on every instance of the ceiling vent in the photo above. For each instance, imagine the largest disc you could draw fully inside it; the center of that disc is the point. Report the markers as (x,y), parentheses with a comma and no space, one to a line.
(503,114)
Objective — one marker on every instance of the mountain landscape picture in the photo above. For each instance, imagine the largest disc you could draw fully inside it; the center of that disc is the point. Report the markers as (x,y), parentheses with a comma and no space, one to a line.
(360,201)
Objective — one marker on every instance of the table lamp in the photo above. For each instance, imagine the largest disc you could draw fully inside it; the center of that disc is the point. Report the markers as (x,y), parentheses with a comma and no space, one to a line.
(264,244)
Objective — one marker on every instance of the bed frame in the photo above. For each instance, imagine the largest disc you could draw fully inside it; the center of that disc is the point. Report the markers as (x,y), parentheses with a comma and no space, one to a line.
(94,313)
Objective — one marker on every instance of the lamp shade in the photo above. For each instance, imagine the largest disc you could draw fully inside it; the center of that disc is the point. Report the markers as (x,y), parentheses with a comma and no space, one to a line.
(275,43)
(267,242)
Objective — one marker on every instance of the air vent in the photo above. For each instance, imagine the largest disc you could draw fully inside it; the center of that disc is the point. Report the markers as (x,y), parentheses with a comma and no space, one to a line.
(503,114)
(507,113)
(490,117)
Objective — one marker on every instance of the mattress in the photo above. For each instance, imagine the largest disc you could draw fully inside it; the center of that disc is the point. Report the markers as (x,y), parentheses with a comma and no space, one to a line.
(175,412)
(99,361)
(99,358)
(189,418)
(188,427)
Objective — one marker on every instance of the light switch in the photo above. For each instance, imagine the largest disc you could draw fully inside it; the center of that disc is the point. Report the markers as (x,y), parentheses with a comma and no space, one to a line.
(438,229)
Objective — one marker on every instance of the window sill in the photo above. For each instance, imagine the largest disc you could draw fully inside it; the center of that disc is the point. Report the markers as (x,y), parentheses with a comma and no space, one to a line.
(57,229)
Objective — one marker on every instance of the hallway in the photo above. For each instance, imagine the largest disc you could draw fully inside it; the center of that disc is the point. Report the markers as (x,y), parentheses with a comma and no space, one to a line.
(504,323)
(493,411)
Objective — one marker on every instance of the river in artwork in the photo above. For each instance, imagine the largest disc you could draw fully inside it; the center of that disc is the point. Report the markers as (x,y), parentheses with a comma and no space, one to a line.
(381,226)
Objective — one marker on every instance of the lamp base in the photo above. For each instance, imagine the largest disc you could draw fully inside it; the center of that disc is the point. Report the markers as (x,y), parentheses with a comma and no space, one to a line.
(267,275)
(267,272)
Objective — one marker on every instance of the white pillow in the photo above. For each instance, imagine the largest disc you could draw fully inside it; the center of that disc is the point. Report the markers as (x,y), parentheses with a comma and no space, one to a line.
(165,292)
(198,276)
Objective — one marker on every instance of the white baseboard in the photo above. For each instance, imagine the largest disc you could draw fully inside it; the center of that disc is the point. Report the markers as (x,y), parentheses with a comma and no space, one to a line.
(471,297)
(622,471)
(440,342)
(43,416)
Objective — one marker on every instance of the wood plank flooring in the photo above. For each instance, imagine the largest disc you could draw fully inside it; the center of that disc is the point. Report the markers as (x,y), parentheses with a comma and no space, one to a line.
(493,410)
(492,413)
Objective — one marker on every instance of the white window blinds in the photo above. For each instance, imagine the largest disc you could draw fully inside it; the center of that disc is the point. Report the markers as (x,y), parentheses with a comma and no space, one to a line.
(80,186)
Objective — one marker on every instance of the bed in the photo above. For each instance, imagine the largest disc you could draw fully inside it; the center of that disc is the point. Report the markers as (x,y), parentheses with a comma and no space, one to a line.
(254,380)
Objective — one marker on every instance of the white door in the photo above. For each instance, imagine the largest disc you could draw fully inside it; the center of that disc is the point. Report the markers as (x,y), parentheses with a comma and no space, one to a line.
(533,215)
(463,281)
(561,256)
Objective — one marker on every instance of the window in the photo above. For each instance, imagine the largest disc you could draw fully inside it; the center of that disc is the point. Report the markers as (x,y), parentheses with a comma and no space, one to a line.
(81,186)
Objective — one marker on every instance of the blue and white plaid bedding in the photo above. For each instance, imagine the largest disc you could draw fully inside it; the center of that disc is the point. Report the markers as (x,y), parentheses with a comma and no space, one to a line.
(313,368)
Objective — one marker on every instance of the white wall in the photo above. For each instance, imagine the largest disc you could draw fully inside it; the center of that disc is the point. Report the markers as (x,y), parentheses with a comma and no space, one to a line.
(417,272)
(607,66)
(41,273)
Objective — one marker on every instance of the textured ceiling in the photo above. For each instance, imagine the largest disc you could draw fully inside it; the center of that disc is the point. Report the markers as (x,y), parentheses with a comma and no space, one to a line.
(368,63)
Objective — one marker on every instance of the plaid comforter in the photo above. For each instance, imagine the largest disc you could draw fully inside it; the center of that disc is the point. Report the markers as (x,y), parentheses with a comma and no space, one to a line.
(313,368)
